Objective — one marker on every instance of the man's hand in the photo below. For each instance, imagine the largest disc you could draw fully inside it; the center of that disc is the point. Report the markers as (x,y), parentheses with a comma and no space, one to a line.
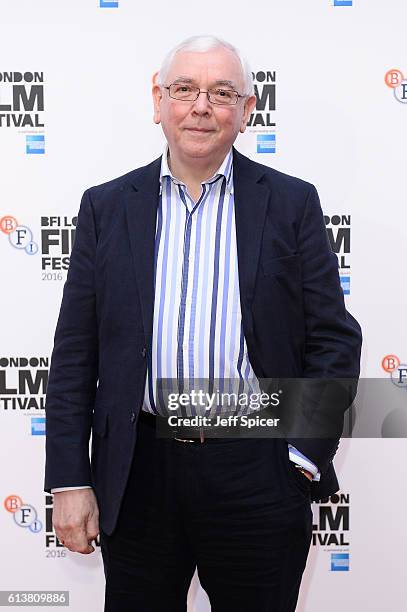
(76,519)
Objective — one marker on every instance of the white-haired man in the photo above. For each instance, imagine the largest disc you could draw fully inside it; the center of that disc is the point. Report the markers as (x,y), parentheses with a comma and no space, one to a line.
(205,265)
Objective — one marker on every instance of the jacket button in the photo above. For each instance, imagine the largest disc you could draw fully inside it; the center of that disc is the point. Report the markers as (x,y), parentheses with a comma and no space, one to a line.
(132,417)
(143,351)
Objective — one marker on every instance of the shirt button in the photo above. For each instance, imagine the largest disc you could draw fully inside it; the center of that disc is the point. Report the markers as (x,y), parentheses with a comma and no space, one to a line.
(132,417)
(143,351)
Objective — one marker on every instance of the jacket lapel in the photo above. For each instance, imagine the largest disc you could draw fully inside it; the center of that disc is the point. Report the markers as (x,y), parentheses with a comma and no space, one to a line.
(251,199)
(141,211)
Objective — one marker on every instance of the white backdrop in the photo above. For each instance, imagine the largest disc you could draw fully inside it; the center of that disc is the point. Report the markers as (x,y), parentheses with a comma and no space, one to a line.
(337,124)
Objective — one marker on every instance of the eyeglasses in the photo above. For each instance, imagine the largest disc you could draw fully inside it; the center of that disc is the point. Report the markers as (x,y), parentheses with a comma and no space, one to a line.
(189,93)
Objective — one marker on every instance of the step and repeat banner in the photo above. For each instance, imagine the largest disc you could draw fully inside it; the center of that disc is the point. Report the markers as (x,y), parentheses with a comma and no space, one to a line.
(75,111)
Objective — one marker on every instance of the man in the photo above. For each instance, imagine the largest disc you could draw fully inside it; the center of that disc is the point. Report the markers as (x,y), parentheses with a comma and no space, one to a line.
(201,264)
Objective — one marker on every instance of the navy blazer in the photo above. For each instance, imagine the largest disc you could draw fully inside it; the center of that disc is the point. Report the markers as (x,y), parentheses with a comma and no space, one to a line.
(293,313)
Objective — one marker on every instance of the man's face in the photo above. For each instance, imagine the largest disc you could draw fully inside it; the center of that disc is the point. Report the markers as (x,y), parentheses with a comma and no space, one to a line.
(200,129)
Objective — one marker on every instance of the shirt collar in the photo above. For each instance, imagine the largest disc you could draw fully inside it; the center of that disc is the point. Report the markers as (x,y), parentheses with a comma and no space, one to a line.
(225,169)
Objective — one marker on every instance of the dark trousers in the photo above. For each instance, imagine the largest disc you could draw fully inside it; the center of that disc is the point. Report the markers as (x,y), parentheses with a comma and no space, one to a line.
(235,509)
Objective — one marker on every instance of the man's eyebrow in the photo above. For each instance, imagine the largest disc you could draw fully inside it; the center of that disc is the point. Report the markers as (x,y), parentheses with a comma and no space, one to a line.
(183,79)
(226,83)
(219,82)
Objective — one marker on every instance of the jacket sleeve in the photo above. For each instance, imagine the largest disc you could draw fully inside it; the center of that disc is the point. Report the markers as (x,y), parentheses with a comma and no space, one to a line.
(333,336)
(74,364)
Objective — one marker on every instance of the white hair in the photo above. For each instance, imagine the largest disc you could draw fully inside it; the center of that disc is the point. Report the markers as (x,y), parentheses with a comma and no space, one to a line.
(201,44)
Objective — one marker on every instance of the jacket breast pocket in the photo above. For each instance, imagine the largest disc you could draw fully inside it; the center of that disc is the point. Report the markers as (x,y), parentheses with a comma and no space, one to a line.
(281,265)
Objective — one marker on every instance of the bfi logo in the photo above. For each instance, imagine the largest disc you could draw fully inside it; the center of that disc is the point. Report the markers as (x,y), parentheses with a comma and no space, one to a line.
(19,236)
(24,515)
(398,371)
(395,80)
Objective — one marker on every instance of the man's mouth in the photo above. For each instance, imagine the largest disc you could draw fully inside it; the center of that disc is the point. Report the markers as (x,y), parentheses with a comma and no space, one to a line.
(202,130)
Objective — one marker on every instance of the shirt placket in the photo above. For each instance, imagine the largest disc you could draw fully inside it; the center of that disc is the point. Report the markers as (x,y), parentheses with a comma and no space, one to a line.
(183,312)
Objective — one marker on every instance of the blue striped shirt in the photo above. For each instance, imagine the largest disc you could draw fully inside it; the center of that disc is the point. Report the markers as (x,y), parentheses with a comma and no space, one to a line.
(197,325)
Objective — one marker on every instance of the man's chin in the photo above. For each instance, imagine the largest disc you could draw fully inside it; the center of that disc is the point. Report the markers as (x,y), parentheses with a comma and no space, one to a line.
(199,149)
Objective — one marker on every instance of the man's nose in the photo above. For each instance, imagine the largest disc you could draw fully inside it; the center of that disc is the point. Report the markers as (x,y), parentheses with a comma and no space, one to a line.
(202,104)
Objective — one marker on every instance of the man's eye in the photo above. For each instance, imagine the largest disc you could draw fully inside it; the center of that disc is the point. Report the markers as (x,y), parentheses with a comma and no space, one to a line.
(182,88)
(223,93)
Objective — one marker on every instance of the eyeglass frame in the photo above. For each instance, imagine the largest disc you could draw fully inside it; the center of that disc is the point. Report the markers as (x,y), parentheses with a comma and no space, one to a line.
(207,91)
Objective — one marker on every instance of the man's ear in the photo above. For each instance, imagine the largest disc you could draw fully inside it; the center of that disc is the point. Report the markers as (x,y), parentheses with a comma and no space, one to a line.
(157,95)
(248,109)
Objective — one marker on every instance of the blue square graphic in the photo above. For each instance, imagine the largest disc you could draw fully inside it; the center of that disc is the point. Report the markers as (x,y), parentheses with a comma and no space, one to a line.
(343,2)
(339,562)
(38,426)
(345,284)
(266,143)
(108,3)
(35,145)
